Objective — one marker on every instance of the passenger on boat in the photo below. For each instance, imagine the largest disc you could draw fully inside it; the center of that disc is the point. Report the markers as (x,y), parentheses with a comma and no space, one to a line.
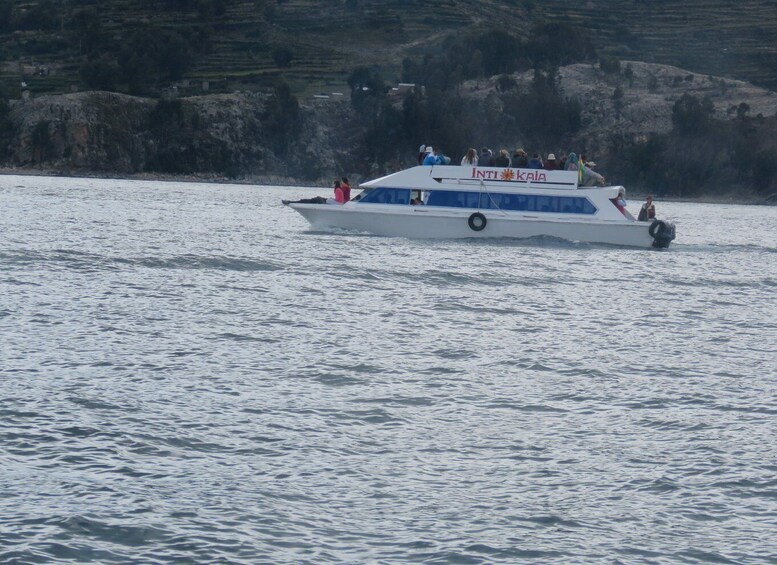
(520,159)
(620,201)
(346,188)
(550,163)
(486,158)
(421,154)
(338,199)
(648,210)
(471,158)
(503,160)
(431,156)
(562,162)
(339,194)
(535,162)
(591,177)
(572,162)
(315,200)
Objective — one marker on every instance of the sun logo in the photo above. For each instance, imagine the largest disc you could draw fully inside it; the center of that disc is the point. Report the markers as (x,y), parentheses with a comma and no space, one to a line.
(508,174)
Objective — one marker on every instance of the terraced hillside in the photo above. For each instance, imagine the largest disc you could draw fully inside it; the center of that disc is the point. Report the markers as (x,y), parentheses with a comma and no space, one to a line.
(236,43)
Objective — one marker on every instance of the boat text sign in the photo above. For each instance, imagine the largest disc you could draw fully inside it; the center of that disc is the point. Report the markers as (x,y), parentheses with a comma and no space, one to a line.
(568,178)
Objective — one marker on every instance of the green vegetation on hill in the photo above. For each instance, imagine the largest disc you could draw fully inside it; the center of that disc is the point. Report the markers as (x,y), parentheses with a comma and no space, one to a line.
(145,45)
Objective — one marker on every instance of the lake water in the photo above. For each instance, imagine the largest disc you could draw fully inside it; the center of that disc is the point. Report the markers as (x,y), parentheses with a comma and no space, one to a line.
(189,374)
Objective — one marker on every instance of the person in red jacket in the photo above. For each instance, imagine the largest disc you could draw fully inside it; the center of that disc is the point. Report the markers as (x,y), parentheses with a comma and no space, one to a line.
(346,188)
(339,196)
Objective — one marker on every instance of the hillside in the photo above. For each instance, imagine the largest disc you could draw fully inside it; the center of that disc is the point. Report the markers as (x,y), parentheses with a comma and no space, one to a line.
(633,138)
(674,96)
(247,45)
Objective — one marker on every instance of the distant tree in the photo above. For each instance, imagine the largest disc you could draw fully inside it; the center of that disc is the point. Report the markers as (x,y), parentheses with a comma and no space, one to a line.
(475,66)
(152,55)
(166,115)
(628,74)
(505,83)
(175,55)
(282,118)
(610,65)
(282,57)
(367,89)
(40,141)
(6,127)
(692,116)
(499,49)
(559,44)
(765,170)
(87,29)
(652,83)
(617,100)
(542,113)
(101,73)
(411,71)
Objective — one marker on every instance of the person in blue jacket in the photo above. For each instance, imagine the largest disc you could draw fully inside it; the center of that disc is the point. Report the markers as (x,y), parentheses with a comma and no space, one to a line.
(432,157)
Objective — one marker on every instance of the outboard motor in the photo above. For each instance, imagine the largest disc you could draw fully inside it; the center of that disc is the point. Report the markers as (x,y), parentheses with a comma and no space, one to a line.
(662,233)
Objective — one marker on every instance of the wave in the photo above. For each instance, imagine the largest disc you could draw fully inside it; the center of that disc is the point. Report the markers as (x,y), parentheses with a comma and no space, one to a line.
(84,261)
(722,248)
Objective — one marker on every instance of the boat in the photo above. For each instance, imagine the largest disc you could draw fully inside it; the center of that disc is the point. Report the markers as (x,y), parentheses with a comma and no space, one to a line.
(448,202)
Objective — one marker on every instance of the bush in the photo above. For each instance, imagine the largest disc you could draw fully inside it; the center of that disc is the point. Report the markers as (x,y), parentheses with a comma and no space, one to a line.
(281,118)
(506,83)
(152,55)
(367,90)
(692,116)
(40,141)
(610,65)
(101,73)
(282,57)
(765,170)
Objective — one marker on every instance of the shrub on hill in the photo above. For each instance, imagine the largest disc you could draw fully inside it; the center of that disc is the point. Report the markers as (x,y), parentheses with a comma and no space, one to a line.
(281,119)
(101,73)
(541,113)
(495,51)
(701,155)
(691,115)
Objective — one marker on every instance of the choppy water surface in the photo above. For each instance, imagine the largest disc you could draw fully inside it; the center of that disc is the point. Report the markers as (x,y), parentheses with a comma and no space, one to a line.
(189,374)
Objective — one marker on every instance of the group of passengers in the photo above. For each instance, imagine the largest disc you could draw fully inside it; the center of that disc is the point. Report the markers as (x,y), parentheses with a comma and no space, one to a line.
(428,155)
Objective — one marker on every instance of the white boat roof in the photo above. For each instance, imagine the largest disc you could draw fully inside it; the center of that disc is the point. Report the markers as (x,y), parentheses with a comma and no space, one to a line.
(507,178)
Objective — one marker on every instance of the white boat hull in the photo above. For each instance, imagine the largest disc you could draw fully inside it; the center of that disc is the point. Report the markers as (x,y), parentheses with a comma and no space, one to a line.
(430,223)
(444,202)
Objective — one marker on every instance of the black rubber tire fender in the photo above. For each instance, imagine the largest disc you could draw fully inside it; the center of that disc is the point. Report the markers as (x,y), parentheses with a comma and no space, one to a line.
(477,222)
(657,228)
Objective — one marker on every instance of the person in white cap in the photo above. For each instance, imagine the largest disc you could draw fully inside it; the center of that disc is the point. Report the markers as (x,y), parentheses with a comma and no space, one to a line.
(431,156)
(421,153)
(550,162)
(591,177)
